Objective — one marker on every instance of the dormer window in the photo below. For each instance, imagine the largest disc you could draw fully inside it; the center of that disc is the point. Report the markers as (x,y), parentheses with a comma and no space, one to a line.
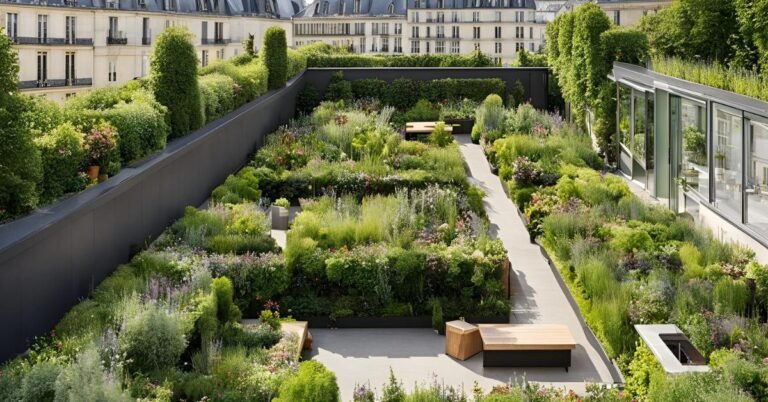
(391,9)
(268,8)
(342,7)
(440,3)
(326,7)
(356,8)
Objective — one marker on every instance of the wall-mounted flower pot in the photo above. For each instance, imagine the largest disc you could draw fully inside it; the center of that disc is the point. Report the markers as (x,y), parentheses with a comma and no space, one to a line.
(279,218)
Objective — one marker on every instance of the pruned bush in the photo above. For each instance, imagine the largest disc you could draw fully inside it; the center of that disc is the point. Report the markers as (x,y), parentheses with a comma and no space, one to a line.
(423,110)
(297,62)
(152,339)
(440,136)
(141,126)
(339,88)
(174,80)
(274,54)
(85,380)
(313,382)
(39,385)
(20,162)
(63,157)
(218,94)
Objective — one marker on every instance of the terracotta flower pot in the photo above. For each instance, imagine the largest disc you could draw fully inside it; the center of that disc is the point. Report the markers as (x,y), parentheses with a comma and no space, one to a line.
(93,172)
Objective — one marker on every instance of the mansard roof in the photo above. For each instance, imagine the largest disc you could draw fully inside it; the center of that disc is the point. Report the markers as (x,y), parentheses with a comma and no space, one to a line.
(259,8)
(367,8)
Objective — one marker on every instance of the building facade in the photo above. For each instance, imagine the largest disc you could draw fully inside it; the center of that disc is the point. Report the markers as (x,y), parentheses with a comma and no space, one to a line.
(68,46)
(498,28)
(698,150)
(621,12)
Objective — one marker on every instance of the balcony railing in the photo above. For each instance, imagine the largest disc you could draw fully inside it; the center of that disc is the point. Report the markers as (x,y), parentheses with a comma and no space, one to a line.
(67,82)
(31,40)
(146,41)
(114,40)
(215,41)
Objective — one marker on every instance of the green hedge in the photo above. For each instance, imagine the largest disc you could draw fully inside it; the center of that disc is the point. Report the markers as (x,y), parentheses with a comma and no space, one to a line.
(251,78)
(218,93)
(275,56)
(403,93)
(297,62)
(63,156)
(475,59)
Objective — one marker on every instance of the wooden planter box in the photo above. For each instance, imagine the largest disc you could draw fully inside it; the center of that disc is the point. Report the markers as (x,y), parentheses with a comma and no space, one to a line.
(461,126)
(462,340)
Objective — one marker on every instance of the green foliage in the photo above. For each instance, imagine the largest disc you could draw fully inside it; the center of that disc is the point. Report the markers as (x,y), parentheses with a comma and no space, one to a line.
(226,310)
(731,296)
(475,59)
(297,62)
(518,94)
(716,75)
(249,45)
(85,380)
(339,89)
(313,382)
(250,78)
(274,53)
(589,67)
(423,110)
(20,163)
(693,387)
(39,385)
(489,118)
(217,92)
(63,157)
(642,369)
(9,70)
(369,88)
(152,339)
(174,80)
(308,99)
(627,45)
(282,202)
(438,322)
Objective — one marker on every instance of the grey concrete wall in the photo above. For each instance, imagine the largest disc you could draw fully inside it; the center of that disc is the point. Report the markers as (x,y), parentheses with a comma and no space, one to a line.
(534,79)
(54,257)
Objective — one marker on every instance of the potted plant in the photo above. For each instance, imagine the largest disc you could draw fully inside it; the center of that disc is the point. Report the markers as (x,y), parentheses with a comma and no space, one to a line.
(100,144)
(459,115)
(280,214)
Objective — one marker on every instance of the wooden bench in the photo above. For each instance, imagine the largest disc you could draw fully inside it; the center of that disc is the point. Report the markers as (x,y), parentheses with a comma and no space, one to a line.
(413,129)
(462,340)
(526,345)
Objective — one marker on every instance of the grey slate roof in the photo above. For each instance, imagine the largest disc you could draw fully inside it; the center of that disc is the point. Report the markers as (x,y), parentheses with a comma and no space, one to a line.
(372,8)
(275,8)
(369,8)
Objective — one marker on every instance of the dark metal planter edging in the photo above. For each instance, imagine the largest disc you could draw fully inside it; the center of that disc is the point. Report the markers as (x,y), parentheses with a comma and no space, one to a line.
(460,126)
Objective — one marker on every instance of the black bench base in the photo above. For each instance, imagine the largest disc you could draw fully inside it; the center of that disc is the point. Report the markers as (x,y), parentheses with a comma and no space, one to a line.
(527,358)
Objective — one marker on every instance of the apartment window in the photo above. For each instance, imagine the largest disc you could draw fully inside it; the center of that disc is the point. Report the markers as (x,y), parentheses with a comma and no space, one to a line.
(385,28)
(113,27)
(204,58)
(497,32)
(42,68)
(385,44)
(427,47)
(415,47)
(440,18)
(497,16)
(70,28)
(374,46)
(42,28)
(429,32)
(518,46)
(398,45)
(441,31)
(475,16)
(12,25)
(519,32)
(475,32)
(112,72)
(617,17)
(530,32)
(531,47)
(375,28)
(218,32)
(440,46)
(69,67)
(362,45)
(455,47)
(429,17)
(220,54)
(398,29)
(415,17)
(455,32)
(498,48)
(146,35)
(204,32)
(414,32)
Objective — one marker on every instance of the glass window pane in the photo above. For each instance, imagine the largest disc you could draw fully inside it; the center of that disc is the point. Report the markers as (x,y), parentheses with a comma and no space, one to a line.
(638,140)
(757,177)
(728,162)
(695,170)
(625,114)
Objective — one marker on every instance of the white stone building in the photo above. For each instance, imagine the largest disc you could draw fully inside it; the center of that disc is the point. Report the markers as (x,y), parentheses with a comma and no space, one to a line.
(68,46)
(499,28)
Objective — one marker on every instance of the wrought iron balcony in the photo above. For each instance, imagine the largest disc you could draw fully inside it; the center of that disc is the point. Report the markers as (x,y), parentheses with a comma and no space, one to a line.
(51,83)
(31,40)
(146,40)
(113,40)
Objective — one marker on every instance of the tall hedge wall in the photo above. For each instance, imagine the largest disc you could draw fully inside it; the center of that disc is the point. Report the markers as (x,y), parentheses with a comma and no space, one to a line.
(275,57)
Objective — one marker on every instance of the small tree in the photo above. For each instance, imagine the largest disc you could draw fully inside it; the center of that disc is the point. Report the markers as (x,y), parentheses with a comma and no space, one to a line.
(249,44)
(275,57)
(174,80)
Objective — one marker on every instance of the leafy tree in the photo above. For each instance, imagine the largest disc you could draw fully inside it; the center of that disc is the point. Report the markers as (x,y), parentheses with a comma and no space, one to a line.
(275,56)
(526,59)
(249,44)
(174,80)
(588,63)
(20,165)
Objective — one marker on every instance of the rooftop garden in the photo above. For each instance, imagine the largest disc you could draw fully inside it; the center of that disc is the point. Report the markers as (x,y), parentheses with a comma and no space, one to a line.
(629,263)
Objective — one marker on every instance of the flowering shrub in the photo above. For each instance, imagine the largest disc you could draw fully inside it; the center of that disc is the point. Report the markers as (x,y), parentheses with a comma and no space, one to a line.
(100,144)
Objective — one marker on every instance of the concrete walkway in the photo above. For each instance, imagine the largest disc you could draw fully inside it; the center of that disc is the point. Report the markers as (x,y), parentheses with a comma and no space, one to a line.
(365,356)
(539,295)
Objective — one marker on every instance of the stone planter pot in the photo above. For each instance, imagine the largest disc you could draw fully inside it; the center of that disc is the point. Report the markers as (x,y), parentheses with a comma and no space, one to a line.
(279,218)
(93,172)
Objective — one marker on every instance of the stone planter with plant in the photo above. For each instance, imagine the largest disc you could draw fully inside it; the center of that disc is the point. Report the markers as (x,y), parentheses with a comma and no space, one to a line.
(280,214)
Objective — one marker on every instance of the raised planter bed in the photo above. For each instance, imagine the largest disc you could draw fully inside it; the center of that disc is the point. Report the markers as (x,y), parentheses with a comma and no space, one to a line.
(460,126)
